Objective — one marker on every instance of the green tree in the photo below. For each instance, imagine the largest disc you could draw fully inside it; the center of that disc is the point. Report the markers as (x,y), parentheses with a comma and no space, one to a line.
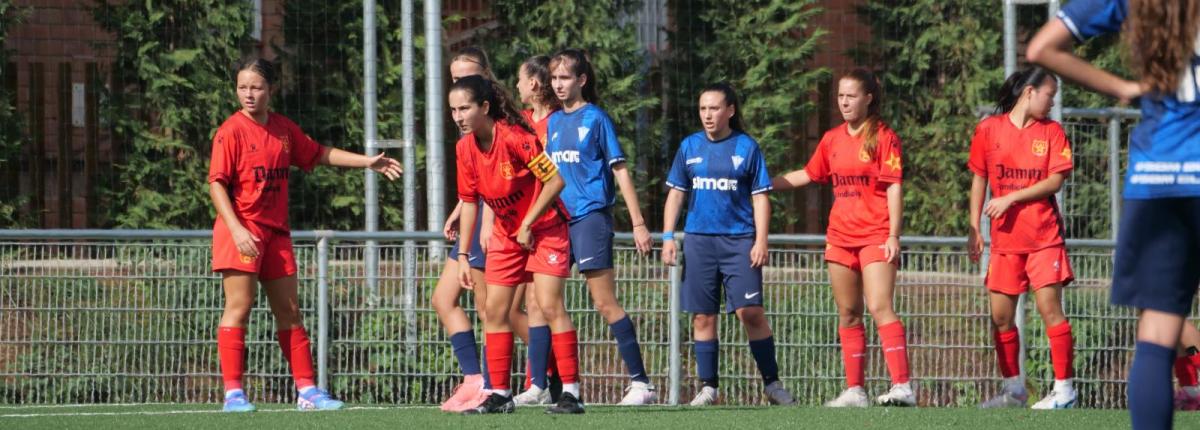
(10,125)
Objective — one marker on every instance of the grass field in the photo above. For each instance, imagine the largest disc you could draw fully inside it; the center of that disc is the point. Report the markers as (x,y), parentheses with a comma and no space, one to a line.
(198,416)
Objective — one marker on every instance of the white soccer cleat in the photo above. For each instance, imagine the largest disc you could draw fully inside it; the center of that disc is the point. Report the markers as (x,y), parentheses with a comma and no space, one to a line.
(1012,395)
(638,394)
(707,396)
(899,395)
(853,397)
(533,396)
(778,395)
(1057,399)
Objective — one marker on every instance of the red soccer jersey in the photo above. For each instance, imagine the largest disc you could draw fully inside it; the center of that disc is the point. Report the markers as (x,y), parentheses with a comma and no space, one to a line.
(1012,159)
(860,213)
(539,127)
(252,161)
(508,177)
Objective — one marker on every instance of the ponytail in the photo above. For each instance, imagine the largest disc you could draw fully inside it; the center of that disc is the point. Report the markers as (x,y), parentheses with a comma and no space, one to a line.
(501,107)
(577,62)
(874,120)
(1015,85)
(538,67)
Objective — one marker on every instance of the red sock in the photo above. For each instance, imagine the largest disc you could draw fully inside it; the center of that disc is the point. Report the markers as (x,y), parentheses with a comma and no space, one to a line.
(1008,351)
(895,351)
(231,352)
(565,347)
(854,353)
(1195,360)
(1185,372)
(298,352)
(528,376)
(499,358)
(1062,350)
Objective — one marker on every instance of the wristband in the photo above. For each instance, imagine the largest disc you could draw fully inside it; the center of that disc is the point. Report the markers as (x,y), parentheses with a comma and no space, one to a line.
(464,253)
(668,235)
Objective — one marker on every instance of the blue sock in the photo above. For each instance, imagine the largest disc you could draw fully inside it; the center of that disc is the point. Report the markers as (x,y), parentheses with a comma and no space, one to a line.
(706,361)
(539,354)
(631,352)
(487,380)
(464,349)
(1151,403)
(764,355)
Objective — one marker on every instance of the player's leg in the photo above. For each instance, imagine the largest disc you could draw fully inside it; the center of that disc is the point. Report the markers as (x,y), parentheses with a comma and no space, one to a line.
(700,296)
(295,344)
(1187,398)
(744,296)
(1062,348)
(1007,344)
(846,283)
(563,341)
(536,388)
(498,331)
(445,302)
(879,289)
(239,290)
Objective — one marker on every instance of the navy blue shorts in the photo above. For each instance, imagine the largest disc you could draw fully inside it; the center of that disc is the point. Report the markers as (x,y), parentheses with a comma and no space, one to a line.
(592,241)
(476,258)
(713,261)
(1158,255)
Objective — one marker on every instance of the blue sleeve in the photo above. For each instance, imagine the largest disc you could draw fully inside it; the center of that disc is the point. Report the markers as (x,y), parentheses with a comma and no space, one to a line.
(1090,18)
(608,141)
(758,167)
(677,178)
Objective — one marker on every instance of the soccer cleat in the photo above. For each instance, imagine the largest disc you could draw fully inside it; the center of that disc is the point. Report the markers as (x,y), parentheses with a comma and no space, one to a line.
(899,395)
(638,394)
(568,404)
(1006,399)
(494,404)
(533,396)
(316,399)
(237,402)
(1185,401)
(706,396)
(853,397)
(466,393)
(1057,399)
(556,387)
(778,395)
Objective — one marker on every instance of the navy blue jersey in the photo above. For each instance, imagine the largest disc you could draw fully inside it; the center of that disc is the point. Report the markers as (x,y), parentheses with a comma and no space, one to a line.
(720,177)
(584,146)
(1164,150)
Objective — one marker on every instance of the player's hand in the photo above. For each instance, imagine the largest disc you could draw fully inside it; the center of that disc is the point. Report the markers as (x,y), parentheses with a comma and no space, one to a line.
(387,166)
(668,252)
(1130,91)
(247,243)
(995,208)
(758,254)
(642,240)
(485,233)
(450,230)
(464,273)
(974,245)
(525,237)
(891,249)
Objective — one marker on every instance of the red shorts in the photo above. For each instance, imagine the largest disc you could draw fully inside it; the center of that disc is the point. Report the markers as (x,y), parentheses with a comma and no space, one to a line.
(509,265)
(1013,274)
(275,256)
(854,258)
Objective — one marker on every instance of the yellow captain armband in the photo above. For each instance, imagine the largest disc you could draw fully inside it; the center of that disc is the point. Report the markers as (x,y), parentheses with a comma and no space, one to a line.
(542,167)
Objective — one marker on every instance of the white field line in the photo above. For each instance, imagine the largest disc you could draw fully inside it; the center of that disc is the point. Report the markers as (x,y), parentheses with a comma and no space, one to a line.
(194,411)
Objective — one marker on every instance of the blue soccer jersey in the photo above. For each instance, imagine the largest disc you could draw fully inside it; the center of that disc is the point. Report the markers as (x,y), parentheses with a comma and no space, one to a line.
(1164,150)
(720,178)
(584,146)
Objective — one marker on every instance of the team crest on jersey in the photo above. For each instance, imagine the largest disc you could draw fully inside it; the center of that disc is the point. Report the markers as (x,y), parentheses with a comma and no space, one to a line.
(553,258)
(864,156)
(506,170)
(583,131)
(1040,147)
(737,161)
(246,259)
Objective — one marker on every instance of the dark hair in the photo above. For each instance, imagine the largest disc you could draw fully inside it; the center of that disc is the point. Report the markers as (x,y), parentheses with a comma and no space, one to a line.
(538,67)
(873,121)
(731,99)
(1160,35)
(500,106)
(577,62)
(477,55)
(1015,85)
(260,66)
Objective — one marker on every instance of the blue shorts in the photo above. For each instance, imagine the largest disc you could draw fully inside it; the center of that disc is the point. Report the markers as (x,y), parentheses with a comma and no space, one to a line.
(476,257)
(592,241)
(1158,255)
(713,261)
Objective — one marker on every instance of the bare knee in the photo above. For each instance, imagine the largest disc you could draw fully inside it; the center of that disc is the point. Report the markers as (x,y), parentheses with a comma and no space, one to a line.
(1052,313)
(704,326)
(1003,321)
(610,310)
(850,316)
(753,317)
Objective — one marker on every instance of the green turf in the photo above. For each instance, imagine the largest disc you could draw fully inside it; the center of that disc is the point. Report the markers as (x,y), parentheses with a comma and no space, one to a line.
(193,416)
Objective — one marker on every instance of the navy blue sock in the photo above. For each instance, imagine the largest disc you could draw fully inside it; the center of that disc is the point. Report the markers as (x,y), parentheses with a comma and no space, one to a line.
(1151,402)
(706,361)
(764,355)
(539,354)
(463,343)
(487,380)
(631,352)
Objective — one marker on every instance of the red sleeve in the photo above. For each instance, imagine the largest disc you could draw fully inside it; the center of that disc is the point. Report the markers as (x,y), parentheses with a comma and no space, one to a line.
(467,175)
(891,167)
(979,143)
(1061,159)
(305,151)
(818,165)
(222,166)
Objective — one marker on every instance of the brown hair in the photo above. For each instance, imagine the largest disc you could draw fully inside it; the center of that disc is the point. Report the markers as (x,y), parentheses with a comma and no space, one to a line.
(473,54)
(538,68)
(1160,35)
(874,120)
(578,63)
(260,66)
(480,89)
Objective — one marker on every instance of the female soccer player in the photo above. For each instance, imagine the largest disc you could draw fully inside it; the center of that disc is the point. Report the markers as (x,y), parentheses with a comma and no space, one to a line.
(501,162)
(861,159)
(248,182)
(1025,158)
(723,174)
(583,143)
(1159,242)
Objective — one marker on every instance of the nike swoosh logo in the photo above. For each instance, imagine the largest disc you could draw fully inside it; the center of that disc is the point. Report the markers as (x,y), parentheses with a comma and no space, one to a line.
(750,296)
(586,260)
(471,258)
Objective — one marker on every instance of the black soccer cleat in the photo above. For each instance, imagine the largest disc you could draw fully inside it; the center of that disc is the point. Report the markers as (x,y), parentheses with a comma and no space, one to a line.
(556,387)
(495,404)
(567,404)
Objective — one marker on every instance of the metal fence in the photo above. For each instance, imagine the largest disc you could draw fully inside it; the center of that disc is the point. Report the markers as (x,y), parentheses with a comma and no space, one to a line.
(112,316)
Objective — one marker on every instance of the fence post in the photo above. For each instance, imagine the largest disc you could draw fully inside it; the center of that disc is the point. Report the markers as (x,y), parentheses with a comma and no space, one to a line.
(675,374)
(323,313)
(1114,172)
